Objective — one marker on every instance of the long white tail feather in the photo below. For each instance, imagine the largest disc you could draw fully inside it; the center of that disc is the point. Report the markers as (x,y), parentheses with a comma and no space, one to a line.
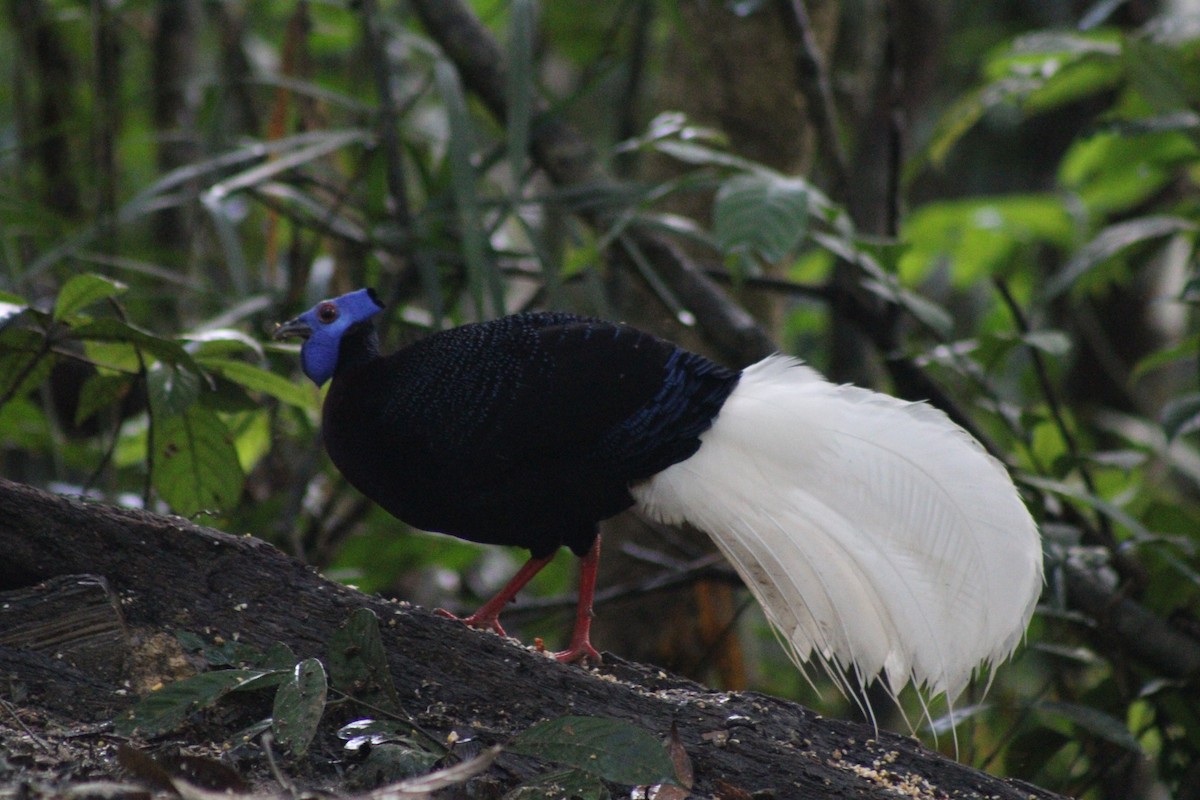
(878,536)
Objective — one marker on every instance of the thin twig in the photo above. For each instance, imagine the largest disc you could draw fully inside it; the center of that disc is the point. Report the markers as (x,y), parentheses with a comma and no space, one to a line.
(39,741)
(286,783)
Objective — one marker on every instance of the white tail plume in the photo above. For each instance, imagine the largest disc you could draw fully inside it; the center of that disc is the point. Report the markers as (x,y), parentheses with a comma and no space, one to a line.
(878,536)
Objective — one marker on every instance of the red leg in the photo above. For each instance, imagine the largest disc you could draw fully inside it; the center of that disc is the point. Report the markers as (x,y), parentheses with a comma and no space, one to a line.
(488,615)
(581,648)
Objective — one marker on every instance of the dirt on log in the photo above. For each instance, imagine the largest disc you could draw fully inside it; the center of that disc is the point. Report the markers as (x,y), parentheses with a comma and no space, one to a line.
(169,575)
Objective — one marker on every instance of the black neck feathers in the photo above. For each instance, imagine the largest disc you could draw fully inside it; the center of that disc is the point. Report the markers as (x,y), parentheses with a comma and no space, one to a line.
(359,347)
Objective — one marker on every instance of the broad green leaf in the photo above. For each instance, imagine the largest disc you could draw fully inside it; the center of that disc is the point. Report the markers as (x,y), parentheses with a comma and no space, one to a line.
(1051,342)
(1112,172)
(1083,78)
(25,362)
(195,466)
(220,343)
(978,238)
(113,330)
(1181,416)
(102,391)
(257,379)
(761,213)
(83,290)
(1109,242)
(299,706)
(171,389)
(166,709)
(611,749)
(279,656)
(358,663)
(1094,721)
(390,762)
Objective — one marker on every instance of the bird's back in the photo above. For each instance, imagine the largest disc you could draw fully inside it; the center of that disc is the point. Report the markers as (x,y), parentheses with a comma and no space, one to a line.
(525,430)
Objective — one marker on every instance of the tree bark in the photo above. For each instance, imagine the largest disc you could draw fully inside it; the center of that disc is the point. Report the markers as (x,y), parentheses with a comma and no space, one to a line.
(171,575)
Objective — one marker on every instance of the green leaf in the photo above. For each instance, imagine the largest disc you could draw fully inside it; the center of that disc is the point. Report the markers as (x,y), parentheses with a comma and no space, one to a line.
(372,732)
(25,361)
(220,343)
(763,213)
(168,708)
(83,290)
(227,653)
(389,762)
(9,311)
(1186,349)
(1094,721)
(299,706)
(195,463)
(702,155)
(611,749)
(1111,241)
(1181,416)
(102,391)
(520,91)
(1157,73)
(1114,512)
(1051,342)
(171,390)
(113,330)
(358,663)
(978,238)
(257,379)
(1111,173)
(965,113)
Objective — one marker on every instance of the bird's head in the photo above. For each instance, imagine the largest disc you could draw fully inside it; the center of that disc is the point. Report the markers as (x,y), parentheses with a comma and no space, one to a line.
(322,328)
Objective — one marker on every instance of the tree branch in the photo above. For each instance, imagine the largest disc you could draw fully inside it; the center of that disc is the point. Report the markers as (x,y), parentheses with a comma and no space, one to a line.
(171,575)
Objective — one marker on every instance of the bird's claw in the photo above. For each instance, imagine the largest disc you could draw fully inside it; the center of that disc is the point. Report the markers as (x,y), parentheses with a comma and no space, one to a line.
(581,652)
(483,622)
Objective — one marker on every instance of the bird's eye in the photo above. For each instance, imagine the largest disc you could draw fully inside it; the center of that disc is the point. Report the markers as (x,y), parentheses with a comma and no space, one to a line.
(327,312)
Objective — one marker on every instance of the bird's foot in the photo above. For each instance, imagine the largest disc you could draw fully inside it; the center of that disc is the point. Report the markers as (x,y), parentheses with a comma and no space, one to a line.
(581,651)
(484,622)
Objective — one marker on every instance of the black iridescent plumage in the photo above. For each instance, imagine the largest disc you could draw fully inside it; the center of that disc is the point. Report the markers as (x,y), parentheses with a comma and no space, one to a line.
(524,431)
(879,538)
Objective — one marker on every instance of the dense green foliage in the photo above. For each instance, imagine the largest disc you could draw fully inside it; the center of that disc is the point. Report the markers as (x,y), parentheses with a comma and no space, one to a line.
(177,176)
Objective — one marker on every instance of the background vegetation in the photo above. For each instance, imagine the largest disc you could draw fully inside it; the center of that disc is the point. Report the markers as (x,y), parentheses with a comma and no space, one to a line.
(990,205)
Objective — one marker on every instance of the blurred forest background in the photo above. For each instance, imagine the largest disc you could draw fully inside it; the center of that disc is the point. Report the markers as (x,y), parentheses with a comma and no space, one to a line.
(992,206)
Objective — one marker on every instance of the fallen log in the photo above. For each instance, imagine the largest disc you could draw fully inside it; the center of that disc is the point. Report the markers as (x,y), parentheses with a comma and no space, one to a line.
(159,575)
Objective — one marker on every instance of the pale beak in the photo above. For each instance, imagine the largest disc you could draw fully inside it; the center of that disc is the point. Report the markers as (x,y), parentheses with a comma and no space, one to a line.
(293,328)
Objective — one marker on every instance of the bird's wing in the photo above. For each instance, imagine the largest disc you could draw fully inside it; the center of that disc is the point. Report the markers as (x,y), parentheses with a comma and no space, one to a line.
(608,397)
